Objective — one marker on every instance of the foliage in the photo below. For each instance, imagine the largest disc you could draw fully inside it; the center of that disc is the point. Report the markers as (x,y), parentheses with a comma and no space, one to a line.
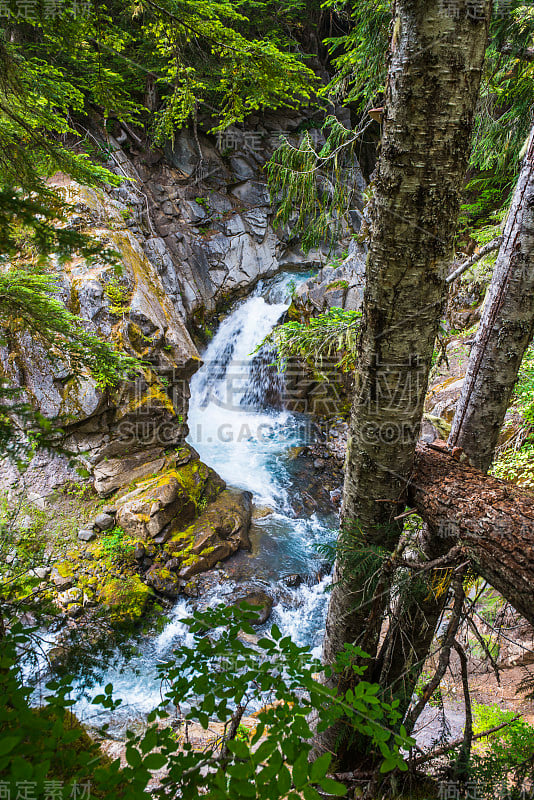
(328,341)
(360,55)
(505,758)
(119,297)
(218,678)
(316,189)
(516,459)
(424,678)
(115,547)
(505,110)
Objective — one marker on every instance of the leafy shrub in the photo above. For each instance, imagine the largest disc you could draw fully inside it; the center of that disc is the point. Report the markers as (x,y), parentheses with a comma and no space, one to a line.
(218,678)
(503,759)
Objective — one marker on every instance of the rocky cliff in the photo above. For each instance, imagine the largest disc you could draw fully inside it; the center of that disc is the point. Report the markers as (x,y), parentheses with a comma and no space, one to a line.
(193,229)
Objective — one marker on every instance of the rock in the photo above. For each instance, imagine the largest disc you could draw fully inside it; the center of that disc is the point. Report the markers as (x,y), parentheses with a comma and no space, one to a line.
(171,495)
(112,510)
(58,655)
(163,581)
(104,521)
(40,572)
(261,601)
(38,500)
(61,578)
(139,552)
(293,580)
(86,534)
(74,610)
(124,600)
(24,523)
(69,596)
(260,512)
(116,472)
(218,533)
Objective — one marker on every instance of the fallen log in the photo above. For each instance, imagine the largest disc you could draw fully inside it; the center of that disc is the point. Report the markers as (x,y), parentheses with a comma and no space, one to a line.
(491,519)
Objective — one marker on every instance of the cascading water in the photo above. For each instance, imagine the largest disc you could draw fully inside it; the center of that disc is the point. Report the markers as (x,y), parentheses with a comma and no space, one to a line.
(245,438)
(239,427)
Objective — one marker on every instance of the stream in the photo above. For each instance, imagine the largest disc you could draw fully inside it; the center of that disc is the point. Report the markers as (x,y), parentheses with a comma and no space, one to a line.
(240,429)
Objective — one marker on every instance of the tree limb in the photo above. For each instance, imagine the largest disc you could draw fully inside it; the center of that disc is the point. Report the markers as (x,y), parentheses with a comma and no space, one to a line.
(488,248)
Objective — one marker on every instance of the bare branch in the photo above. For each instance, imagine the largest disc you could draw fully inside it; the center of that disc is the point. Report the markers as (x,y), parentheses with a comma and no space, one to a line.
(488,248)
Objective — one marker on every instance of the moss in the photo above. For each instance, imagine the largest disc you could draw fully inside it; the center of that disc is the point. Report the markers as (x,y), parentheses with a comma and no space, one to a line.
(124,599)
(65,569)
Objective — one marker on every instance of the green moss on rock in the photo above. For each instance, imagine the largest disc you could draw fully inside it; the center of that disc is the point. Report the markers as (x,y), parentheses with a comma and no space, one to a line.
(124,599)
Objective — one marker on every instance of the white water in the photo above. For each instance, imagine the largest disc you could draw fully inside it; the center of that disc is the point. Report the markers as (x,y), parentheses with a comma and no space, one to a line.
(245,440)
(228,428)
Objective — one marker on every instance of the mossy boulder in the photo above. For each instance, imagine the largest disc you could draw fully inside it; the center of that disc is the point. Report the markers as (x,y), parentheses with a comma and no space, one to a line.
(124,600)
(164,581)
(172,495)
(218,533)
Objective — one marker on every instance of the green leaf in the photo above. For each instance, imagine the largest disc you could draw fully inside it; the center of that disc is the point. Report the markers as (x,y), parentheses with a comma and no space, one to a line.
(133,757)
(275,632)
(7,744)
(155,761)
(319,768)
(300,769)
(283,781)
(331,786)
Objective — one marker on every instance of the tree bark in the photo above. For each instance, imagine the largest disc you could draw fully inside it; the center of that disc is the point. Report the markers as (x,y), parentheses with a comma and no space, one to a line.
(435,64)
(504,333)
(493,521)
(505,330)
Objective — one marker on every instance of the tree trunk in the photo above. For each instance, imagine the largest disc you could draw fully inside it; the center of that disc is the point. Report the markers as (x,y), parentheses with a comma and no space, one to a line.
(504,334)
(505,330)
(435,63)
(493,521)
(434,72)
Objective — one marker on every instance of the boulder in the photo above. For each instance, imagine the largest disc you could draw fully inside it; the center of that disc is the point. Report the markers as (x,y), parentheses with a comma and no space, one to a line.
(86,534)
(124,600)
(163,581)
(261,601)
(104,521)
(173,495)
(218,533)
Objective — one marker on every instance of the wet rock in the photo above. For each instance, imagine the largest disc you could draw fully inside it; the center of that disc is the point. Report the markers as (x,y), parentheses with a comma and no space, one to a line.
(293,581)
(163,581)
(261,601)
(260,512)
(104,521)
(58,655)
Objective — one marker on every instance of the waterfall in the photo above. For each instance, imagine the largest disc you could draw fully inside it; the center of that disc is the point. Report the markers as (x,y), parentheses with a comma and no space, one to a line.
(236,419)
